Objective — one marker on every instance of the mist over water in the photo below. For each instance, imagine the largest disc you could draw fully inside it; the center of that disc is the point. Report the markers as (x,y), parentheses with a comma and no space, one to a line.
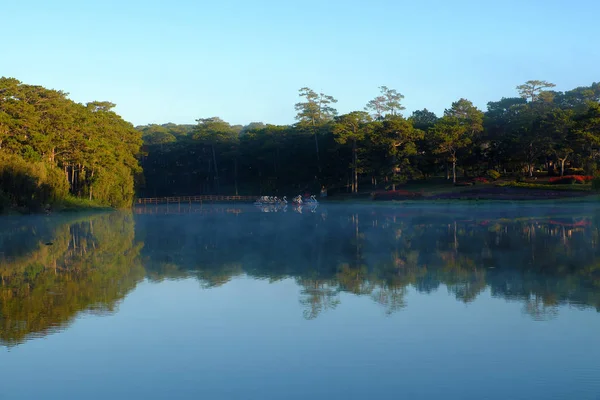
(335,301)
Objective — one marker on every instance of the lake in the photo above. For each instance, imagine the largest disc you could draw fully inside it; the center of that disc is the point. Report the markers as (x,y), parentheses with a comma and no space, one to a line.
(424,301)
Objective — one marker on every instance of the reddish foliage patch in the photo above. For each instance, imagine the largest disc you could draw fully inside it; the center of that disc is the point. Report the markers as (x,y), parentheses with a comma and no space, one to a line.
(570,179)
(394,195)
(480,179)
(570,224)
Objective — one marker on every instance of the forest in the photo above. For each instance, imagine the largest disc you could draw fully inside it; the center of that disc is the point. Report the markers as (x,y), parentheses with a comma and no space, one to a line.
(55,151)
(539,131)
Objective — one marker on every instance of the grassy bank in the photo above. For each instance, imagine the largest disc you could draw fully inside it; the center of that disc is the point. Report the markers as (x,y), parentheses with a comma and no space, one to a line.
(68,204)
(501,190)
(71,204)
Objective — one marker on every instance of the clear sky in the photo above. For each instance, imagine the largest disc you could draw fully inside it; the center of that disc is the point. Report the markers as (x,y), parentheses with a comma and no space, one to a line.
(180,60)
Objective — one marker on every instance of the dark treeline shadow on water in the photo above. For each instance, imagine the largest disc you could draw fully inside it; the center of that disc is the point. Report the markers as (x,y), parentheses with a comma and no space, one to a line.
(52,268)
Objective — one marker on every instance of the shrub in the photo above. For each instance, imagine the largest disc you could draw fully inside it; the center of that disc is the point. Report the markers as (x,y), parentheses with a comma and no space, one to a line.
(596,183)
(113,187)
(567,179)
(570,179)
(592,168)
(493,175)
(30,186)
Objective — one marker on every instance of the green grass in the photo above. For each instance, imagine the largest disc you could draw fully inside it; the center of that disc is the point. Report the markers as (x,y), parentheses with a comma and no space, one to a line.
(440,186)
(68,204)
(72,203)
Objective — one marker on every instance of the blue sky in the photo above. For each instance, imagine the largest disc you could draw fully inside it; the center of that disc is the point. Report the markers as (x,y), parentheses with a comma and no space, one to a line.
(179,60)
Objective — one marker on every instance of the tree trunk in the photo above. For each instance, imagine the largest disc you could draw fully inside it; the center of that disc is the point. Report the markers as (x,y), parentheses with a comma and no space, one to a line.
(355,166)
(72,179)
(91,188)
(562,165)
(216,168)
(317,149)
(84,178)
(454,169)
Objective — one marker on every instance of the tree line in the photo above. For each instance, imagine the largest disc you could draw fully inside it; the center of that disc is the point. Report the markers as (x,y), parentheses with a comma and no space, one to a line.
(537,130)
(52,148)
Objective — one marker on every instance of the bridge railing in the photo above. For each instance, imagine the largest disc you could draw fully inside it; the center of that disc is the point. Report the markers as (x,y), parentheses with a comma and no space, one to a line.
(194,199)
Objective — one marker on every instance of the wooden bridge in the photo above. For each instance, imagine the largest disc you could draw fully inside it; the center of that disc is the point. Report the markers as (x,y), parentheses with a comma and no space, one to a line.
(195,199)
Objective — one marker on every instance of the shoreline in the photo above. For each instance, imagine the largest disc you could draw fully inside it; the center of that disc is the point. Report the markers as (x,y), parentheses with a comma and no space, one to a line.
(508,193)
(470,196)
(492,193)
(66,207)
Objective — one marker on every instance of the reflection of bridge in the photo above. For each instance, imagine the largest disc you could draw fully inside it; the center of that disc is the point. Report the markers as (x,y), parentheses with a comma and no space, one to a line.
(179,208)
(195,199)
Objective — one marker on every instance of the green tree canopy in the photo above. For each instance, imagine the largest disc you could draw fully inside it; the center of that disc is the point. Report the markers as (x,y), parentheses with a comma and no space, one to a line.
(531,89)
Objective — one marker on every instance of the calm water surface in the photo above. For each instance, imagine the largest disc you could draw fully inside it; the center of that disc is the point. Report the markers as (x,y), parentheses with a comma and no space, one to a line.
(337,302)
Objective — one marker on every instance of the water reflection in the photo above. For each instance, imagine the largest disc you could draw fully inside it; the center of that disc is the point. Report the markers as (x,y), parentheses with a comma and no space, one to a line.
(544,258)
(53,268)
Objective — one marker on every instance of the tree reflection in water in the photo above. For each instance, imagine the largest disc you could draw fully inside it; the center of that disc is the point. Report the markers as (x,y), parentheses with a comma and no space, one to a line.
(51,272)
(542,259)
